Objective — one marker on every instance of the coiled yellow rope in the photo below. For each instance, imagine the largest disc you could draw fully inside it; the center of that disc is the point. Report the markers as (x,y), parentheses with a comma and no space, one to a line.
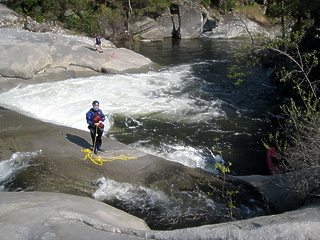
(99,161)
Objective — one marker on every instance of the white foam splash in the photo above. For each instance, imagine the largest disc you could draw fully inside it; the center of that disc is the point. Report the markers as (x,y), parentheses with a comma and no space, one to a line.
(169,95)
(187,155)
(129,194)
(18,161)
(134,197)
(159,95)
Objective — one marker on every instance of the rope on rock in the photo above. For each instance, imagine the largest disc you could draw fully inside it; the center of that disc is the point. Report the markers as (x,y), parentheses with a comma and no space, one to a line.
(99,161)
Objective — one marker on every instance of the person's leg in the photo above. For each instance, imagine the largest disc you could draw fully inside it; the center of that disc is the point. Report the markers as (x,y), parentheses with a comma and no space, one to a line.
(99,138)
(93,135)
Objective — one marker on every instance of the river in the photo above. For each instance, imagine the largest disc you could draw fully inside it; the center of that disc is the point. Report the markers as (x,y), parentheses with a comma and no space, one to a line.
(201,107)
(179,111)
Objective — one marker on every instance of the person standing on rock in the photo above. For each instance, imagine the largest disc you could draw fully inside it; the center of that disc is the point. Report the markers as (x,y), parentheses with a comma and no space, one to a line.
(97,45)
(95,119)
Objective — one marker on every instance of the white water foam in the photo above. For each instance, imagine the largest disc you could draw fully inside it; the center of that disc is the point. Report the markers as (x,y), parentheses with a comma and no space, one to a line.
(164,95)
(129,194)
(155,94)
(187,155)
(133,197)
(11,167)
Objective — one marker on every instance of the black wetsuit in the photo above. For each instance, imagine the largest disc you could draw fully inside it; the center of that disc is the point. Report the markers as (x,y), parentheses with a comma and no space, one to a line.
(92,118)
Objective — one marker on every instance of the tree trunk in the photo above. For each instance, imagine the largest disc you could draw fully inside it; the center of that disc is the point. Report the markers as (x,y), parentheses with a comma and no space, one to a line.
(282,20)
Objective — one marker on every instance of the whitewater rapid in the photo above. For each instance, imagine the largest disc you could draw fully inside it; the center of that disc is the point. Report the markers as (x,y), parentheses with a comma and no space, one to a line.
(170,95)
(11,167)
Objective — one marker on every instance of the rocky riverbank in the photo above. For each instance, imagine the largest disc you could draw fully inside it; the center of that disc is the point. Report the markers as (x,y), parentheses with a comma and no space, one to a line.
(60,168)
(37,215)
(61,155)
(58,165)
(55,55)
(27,55)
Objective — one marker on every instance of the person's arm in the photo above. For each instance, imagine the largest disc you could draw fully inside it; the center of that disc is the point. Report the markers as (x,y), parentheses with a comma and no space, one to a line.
(103,117)
(89,118)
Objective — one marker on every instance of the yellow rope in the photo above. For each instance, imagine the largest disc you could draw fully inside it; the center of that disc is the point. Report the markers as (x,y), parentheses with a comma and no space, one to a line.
(99,161)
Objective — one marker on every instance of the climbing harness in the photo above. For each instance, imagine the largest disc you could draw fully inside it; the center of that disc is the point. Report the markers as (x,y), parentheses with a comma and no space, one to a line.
(99,161)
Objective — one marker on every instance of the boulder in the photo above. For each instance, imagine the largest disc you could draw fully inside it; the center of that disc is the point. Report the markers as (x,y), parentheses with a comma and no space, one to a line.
(9,18)
(210,18)
(209,25)
(153,35)
(185,22)
(8,14)
(299,224)
(142,25)
(191,20)
(40,215)
(287,192)
(22,60)
(34,26)
(146,29)
(236,25)
(25,55)
(167,23)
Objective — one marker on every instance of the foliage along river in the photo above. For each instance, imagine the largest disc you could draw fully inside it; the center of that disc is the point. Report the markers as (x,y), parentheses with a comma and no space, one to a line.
(176,112)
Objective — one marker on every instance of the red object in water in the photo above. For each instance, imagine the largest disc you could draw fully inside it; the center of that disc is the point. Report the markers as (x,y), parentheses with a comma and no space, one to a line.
(273,162)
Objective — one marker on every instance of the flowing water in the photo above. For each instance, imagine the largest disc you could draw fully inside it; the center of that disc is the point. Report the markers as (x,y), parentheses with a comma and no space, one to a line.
(18,162)
(176,111)
(199,104)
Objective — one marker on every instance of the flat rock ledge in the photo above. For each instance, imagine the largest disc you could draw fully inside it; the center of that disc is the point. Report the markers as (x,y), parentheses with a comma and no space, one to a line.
(39,215)
(25,55)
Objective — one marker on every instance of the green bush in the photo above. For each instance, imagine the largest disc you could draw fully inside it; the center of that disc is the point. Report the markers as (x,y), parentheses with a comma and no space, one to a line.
(227,5)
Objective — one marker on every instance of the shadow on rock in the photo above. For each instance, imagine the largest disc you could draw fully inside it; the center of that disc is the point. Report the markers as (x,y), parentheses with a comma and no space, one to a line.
(78,140)
(91,49)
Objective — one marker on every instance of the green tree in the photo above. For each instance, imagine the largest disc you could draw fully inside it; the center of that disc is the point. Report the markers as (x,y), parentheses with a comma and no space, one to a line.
(297,13)
(301,129)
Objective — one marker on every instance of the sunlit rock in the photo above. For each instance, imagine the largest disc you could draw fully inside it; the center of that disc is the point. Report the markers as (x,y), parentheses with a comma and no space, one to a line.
(26,54)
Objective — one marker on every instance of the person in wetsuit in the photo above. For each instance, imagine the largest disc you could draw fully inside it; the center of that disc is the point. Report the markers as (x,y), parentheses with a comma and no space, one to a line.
(95,119)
